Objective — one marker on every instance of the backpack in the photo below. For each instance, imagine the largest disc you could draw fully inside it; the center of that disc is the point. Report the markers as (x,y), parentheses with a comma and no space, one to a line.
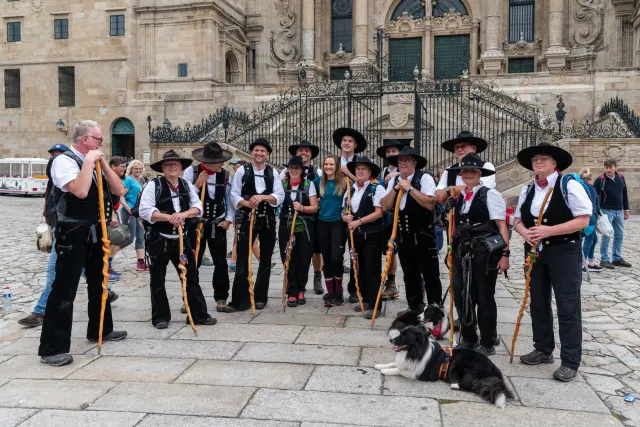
(593,220)
(135,210)
(387,216)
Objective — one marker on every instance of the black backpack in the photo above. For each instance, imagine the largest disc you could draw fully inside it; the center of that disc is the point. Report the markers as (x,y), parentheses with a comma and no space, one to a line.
(135,210)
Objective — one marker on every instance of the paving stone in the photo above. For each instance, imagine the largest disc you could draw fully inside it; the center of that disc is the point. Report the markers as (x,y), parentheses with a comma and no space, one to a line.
(52,418)
(631,412)
(348,408)
(52,394)
(400,386)
(573,396)
(373,356)
(291,317)
(154,420)
(507,302)
(142,369)
(178,399)
(328,425)
(343,337)
(29,366)
(247,374)
(344,379)
(603,384)
(510,315)
(12,417)
(624,337)
(382,323)
(298,353)
(244,333)
(30,346)
(179,349)
(508,328)
(142,330)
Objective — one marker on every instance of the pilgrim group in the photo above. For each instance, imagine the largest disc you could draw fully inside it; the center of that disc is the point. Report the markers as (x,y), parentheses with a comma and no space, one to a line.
(315,212)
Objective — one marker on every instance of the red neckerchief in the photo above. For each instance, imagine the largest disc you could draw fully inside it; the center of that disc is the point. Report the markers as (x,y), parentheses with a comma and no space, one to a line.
(542,183)
(468,196)
(175,189)
(295,183)
(208,171)
(360,184)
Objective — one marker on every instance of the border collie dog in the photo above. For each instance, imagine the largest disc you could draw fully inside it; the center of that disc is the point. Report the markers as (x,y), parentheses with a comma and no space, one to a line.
(432,317)
(420,357)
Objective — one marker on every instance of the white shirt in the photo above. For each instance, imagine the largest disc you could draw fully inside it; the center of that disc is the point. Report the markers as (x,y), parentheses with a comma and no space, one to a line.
(211,188)
(236,188)
(64,170)
(495,203)
(487,181)
(148,203)
(344,161)
(578,201)
(283,173)
(356,196)
(293,195)
(427,187)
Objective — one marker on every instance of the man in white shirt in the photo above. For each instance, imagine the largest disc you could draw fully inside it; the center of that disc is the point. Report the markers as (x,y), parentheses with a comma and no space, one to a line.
(165,204)
(256,187)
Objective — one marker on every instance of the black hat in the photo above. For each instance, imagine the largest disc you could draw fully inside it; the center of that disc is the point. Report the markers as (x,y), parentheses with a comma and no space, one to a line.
(375,169)
(261,141)
(211,153)
(361,142)
(465,136)
(315,150)
(171,155)
(561,156)
(408,151)
(295,162)
(472,161)
(382,151)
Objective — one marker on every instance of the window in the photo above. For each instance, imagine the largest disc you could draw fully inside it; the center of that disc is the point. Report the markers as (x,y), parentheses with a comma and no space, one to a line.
(341,24)
(182,70)
(117,25)
(13,31)
(11,88)
(521,13)
(337,73)
(66,86)
(16,170)
(404,56)
(444,6)
(521,65)
(61,29)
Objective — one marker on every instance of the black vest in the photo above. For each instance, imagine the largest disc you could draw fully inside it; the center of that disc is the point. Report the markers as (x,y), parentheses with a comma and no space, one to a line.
(302,197)
(249,187)
(213,208)
(453,175)
(164,203)
(310,172)
(557,213)
(414,218)
(477,216)
(366,208)
(87,210)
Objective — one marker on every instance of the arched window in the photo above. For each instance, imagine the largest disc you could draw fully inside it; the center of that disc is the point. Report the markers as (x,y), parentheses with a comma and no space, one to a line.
(413,7)
(227,69)
(341,24)
(231,68)
(521,13)
(443,6)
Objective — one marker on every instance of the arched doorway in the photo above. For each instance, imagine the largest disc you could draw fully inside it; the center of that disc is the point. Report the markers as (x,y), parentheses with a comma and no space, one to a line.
(231,68)
(123,139)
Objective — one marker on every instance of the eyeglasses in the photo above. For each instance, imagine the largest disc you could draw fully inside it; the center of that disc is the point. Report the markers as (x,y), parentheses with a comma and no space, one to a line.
(97,139)
(540,159)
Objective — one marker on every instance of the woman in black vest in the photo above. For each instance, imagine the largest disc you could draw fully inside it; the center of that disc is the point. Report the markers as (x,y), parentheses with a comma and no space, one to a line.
(366,223)
(559,261)
(479,212)
(300,196)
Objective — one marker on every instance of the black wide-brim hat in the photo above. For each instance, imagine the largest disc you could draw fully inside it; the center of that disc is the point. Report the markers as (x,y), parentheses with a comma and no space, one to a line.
(561,156)
(295,162)
(382,150)
(375,169)
(171,155)
(211,153)
(261,141)
(315,150)
(468,137)
(408,151)
(472,161)
(361,142)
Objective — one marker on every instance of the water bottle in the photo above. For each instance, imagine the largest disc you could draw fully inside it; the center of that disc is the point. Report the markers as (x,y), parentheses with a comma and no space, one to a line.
(6,298)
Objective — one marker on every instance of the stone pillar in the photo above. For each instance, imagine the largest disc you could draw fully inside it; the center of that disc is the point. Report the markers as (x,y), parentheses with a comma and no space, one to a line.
(473,66)
(360,31)
(427,51)
(556,55)
(492,57)
(308,32)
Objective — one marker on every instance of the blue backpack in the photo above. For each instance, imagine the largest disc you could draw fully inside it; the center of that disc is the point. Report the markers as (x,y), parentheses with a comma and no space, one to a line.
(593,220)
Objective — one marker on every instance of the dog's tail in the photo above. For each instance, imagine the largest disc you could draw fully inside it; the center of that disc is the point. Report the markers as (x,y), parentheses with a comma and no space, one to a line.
(493,389)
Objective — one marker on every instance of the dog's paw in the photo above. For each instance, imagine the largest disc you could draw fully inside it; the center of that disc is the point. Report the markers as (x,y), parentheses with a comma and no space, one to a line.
(455,386)
(378,366)
(387,371)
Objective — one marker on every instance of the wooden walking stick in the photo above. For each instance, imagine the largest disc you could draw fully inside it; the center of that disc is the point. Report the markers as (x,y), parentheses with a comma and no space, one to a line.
(391,249)
(450,219)
(287,259)
(352,251)
(105,250)
(528,265)
(200,225)
(252,217)
(183,279)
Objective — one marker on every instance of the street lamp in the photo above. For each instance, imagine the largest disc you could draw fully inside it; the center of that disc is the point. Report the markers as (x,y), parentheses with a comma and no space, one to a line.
(149,123)
(560,113)
(60,126)
(166,123)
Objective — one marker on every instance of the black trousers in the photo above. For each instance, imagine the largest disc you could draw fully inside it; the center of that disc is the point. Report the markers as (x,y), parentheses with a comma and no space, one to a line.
(298,274)
(419,259)
(216,239)
(351,286)
(331,240)
(76,249)
(265,228)
(559,267)
(480,307)
(160,251)
(369,264)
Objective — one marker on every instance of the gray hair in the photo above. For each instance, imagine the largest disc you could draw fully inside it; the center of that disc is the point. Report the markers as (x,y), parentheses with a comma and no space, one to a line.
(84,127)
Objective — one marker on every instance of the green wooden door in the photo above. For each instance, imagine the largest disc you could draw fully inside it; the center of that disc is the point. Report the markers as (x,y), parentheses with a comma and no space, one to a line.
(451,56)
(123,139)
(404,56)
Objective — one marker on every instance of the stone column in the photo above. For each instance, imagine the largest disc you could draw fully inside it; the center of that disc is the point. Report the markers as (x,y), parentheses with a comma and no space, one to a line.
(427,51)
(492,57)
(473,66)
(556,55)
(308,32)
(360,31)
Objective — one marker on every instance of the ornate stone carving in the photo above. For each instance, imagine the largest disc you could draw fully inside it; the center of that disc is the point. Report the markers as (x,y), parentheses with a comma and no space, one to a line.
(121,97)
(521,47)
(590,19)
(37,5)
(339,58)
(405,24)
(399,98)
(284,40)
(615,151)
(451,21)
(398,115)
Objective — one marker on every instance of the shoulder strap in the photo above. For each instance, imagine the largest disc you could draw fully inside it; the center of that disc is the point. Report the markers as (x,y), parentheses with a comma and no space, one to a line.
(73,156)
(417,177)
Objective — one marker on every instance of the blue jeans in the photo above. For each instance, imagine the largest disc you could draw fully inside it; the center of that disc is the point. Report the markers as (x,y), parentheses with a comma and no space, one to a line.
(135,228)
(617,220)
(589,246)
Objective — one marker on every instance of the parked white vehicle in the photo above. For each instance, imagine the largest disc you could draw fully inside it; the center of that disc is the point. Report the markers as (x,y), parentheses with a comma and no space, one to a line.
(23,176)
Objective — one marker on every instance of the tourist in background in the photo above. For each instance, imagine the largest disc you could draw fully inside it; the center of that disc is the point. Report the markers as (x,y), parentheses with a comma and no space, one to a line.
(119,166)
(133,183)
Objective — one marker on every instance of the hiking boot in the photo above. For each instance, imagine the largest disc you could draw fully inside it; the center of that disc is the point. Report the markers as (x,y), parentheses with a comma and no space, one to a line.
(339,300)
(207,262)
(366,306)
(536,357)
(301,298)
(595,268)
(327,297)
(112,297)
(60,359)
(206,321)
(403,312)
(292,302)
(620,263)
(487,351)
(353,298)
(328,302)
(607,265)
(369,314)
(317,284)
(32,321)
(163,324)
(111,271)
(113,336)
(564,374)
(221,306)
(390,291)
(260,305)
(140,266)
(232,267)
(114,277)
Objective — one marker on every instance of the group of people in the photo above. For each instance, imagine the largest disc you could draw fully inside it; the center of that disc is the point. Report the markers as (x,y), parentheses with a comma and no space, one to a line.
(348,202)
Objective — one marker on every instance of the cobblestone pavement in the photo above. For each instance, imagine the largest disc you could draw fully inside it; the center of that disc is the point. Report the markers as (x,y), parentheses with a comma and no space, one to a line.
(309,367)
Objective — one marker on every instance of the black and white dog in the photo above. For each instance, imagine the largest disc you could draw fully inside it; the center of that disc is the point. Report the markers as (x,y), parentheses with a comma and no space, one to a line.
(420,357)
(432,317)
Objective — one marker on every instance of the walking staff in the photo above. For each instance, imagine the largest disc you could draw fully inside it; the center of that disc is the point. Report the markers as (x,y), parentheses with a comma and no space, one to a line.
(78,243)
(105,257)
(183,279)
(450,219)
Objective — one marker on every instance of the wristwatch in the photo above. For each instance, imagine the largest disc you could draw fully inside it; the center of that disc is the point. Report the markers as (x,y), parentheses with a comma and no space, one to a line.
(506,253)
(410,190)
